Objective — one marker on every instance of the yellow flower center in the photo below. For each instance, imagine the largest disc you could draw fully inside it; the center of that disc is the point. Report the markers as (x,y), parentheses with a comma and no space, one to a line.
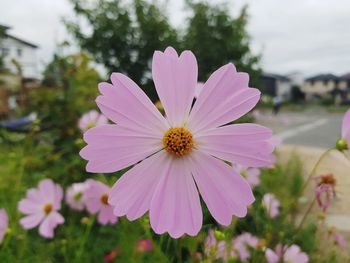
(178,141)
(104,199)
(47,208)
(91,125)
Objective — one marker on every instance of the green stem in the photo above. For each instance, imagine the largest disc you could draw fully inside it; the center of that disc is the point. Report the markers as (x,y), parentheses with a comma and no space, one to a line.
(84,239)
(313,171)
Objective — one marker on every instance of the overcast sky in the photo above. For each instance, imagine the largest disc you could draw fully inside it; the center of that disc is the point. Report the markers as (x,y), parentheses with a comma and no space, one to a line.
(310,36)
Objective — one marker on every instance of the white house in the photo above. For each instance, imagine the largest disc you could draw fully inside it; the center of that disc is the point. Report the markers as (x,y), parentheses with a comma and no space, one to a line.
(15,49)
(276,85)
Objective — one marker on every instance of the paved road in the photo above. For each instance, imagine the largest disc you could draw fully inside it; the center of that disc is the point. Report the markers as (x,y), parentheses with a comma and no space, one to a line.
(309,128)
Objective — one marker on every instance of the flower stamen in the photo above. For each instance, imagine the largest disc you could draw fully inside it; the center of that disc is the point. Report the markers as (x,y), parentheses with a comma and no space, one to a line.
(47,208)
(178,141)
(104,199)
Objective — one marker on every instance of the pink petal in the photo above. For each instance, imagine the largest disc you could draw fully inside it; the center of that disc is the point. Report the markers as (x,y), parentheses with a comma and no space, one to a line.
(346,126)
(48,190)
(225,97)
(295,255)
(47,227)
(132,193)
(175,206)
(245,144)
(106,215)
(126,104)
(271,256)
(175,79)
(111,148)
(224,191)
(26,206)
(32,221)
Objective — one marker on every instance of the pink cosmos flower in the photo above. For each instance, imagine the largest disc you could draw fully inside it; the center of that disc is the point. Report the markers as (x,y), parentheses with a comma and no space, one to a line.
(252,175)
(175,155)
(4,222)
(271,205)
(242,243)
(216,249)
(41,206)
(91,119)
(291,254)
(325,190)
(75,195)
(339,240)
(96,201)
(323,196)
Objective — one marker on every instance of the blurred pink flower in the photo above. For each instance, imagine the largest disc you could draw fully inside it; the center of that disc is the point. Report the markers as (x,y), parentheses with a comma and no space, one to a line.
(242,243)
(346,128)
(4,222)
(271,205)
(175,155)
(291,254)
(75,195)
(323,195)
(96,201)
(144,245)
(41,206)
(257,114)
(325,190)
(252,175)
(91,119)
(339,240)
(215,249)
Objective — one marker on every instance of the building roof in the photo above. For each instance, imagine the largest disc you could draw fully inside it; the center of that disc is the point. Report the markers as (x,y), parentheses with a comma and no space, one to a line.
(275,76)
(4,26)
(346,76)
(323,77)
(22,41)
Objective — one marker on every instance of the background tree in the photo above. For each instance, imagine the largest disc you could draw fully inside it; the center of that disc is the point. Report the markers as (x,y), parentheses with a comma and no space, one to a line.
(123,37)
(217,38)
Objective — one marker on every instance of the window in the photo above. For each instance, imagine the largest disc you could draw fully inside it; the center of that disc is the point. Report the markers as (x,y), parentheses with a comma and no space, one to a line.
(4,51)
(19,52)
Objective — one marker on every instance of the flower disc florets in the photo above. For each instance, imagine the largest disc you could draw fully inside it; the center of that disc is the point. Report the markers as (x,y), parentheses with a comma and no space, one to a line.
(48,208)
(178,141)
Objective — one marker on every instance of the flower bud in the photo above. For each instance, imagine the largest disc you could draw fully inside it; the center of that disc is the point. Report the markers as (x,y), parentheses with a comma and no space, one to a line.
(341,145)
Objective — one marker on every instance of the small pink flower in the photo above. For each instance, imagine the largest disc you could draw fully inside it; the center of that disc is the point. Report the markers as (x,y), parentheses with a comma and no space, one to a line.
(4,222)
(91,119)
(242,243)
(252,175)
(144,245)
(291,254)
(41,206)
(210,243)
(339,240)
(325,190)
(181,155)
(323,196)
(216,249)
(271,205)
(96,200)
(75,195)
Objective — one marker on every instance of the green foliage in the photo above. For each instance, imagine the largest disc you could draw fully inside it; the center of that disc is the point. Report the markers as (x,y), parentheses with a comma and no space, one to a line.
(216,38)
(123,36)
